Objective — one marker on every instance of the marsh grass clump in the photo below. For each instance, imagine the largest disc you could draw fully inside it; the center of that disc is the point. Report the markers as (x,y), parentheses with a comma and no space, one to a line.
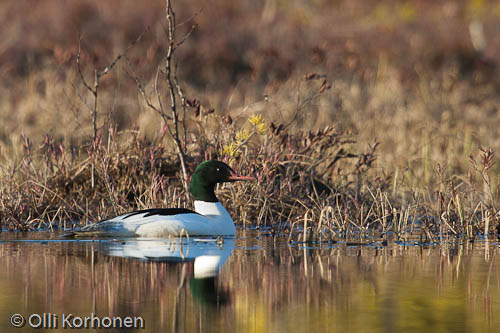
(55,186)
(316,173)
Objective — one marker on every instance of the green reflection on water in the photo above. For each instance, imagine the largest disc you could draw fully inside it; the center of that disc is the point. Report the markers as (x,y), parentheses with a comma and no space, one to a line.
(265,286)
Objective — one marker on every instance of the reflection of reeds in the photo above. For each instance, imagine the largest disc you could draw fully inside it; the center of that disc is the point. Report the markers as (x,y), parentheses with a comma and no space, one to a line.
(273,287)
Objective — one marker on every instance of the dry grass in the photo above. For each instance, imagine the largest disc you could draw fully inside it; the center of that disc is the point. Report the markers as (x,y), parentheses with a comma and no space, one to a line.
(385,138)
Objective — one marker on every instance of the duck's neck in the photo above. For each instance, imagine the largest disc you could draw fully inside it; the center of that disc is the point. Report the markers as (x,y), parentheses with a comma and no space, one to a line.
(210,208)
(201,190)
(219,218)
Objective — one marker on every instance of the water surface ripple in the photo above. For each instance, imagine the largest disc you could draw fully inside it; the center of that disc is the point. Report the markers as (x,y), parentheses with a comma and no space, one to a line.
(255,283)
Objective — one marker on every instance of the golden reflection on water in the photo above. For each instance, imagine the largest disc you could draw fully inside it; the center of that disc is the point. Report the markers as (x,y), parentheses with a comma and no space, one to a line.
(265,286)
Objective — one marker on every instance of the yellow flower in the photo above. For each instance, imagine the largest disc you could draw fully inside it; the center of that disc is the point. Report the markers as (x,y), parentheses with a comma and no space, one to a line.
(262,128)
(242,135)
(230,149)
(259,123)
(256,119)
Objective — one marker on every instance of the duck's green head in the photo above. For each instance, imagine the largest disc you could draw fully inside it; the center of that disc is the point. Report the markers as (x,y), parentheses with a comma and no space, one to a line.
(209,173)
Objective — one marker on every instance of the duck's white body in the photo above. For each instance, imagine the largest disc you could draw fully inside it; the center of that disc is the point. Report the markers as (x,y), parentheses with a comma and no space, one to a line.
(210,219)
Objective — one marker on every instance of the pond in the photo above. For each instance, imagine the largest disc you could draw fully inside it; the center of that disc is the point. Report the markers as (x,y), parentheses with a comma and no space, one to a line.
(254,283)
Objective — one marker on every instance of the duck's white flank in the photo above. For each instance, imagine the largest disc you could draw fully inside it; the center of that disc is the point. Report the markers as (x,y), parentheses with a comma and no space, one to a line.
(212,219)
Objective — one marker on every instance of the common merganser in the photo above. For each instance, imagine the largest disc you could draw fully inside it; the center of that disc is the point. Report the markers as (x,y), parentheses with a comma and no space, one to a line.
(209,218)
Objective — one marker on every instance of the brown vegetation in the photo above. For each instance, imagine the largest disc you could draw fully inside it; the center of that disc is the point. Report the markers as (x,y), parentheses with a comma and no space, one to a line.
(354,116)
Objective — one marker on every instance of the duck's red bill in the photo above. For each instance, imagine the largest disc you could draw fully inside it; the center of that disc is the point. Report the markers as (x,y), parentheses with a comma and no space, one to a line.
(235,177)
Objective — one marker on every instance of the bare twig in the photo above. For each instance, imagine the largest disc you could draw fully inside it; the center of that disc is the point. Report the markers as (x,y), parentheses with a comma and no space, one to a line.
(169,76)
(167,70)
(180,92)
(98,74)
(142,91)
(186,36)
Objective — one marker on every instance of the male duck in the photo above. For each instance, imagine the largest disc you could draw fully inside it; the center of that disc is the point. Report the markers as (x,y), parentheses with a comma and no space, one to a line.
(210,218)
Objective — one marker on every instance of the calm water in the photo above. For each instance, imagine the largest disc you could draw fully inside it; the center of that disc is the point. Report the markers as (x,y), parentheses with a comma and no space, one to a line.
(251,284)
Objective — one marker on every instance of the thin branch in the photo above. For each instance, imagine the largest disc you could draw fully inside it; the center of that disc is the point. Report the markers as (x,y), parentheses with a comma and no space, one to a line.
(167,70)
(142,90)
(180,92)
(170,15)
(164,115)
(193,27)
(99,74)
(190,18)
(79,67)
(121,55)
(186,36)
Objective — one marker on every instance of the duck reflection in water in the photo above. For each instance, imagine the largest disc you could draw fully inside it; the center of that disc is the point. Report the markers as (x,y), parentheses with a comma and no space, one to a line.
(201,261)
